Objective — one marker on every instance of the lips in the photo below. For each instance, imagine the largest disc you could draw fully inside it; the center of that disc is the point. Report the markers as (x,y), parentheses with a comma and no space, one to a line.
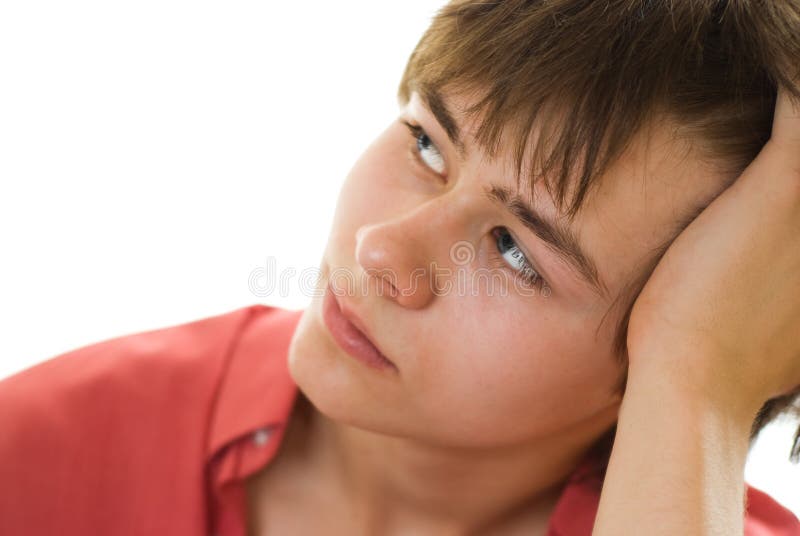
(354,319)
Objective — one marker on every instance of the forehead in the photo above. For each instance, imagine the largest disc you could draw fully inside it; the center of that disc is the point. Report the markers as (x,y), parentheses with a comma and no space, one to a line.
(642,201)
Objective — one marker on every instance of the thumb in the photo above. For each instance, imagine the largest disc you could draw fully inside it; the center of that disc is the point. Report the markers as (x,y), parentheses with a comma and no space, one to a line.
(786,122)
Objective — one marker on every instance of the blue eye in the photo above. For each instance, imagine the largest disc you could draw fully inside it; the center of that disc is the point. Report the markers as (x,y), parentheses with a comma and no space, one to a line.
(425,152)
(512,255)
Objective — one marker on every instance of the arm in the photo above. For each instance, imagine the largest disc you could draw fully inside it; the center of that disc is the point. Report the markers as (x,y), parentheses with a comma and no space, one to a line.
(713,335)
(677,466)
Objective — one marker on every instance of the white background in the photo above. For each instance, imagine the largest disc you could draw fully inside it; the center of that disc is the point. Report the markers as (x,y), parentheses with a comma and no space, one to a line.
(153,154)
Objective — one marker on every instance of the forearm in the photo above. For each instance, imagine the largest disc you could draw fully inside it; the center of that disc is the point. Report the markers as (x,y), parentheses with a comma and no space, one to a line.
(677,466)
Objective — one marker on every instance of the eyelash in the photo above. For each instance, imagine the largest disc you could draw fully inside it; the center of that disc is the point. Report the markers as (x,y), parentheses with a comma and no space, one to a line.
(528,273)
(417,133)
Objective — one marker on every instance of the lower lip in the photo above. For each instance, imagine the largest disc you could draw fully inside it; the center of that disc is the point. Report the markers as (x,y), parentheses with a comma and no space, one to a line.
(349,338)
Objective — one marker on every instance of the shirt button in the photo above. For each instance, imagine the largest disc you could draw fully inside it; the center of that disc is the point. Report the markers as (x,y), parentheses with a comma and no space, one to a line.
(261,436)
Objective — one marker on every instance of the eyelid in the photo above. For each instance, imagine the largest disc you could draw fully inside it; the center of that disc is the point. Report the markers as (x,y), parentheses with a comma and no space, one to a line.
(539,281)
(534,261)
(412,124)
(416,130)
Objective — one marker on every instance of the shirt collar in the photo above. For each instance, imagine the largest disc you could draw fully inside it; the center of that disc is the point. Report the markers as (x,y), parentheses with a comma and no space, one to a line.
(576,509)
(256,390)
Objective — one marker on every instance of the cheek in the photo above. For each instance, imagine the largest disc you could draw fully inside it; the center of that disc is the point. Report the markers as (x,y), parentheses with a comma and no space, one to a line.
(541,373)
(375,177)
(362,199)
(383,182)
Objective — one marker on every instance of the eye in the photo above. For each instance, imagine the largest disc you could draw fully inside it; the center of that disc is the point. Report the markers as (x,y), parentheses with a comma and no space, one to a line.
(510,254)
(424,150)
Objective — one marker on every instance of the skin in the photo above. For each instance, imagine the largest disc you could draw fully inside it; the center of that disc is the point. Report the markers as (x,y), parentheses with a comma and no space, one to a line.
(496,398)
(736,325)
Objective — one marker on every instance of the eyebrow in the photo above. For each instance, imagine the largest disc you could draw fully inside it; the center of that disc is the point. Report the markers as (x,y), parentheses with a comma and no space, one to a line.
(434,101)
(561,239)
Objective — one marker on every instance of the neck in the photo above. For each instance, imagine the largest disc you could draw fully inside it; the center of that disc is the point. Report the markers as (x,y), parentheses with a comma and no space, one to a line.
(400,482)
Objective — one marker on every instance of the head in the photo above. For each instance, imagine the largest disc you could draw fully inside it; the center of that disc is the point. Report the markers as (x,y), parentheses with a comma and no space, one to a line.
(495,236)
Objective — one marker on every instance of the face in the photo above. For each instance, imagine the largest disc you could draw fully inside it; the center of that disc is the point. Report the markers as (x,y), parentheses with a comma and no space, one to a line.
(518,353)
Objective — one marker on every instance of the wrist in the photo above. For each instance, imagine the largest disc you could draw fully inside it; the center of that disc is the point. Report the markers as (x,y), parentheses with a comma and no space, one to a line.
(684,455)
(697,390)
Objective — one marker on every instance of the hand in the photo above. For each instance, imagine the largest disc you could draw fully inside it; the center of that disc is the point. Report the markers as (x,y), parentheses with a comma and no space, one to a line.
(720,315)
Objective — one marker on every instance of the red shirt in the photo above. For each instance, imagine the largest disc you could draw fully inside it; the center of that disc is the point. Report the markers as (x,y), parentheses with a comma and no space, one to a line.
(154,433)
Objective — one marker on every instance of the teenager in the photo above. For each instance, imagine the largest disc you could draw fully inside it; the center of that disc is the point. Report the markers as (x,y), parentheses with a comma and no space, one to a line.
(559,296)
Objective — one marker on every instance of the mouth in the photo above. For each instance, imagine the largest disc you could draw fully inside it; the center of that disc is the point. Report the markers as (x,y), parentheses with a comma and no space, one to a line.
(351,333)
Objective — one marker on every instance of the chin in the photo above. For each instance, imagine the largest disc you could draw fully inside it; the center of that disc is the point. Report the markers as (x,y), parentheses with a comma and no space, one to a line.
(318,371)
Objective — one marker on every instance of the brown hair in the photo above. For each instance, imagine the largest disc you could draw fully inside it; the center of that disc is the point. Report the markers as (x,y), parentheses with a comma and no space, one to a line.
(711,67)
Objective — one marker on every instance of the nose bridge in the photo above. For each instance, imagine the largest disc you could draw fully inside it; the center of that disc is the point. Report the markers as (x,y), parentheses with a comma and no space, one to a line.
(408,254)
(440,213)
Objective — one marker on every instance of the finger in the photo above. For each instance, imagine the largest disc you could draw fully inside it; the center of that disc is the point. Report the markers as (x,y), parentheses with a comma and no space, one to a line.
(786,121)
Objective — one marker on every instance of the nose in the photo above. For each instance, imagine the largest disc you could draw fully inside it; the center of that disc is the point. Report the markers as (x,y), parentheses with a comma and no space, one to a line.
(401,256)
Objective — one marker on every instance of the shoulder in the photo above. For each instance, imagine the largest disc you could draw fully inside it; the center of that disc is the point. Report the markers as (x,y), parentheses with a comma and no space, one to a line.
(126,418)
(124,368)
(764,516)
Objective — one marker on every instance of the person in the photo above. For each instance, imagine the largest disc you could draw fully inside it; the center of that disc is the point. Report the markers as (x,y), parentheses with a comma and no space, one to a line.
(559,296)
